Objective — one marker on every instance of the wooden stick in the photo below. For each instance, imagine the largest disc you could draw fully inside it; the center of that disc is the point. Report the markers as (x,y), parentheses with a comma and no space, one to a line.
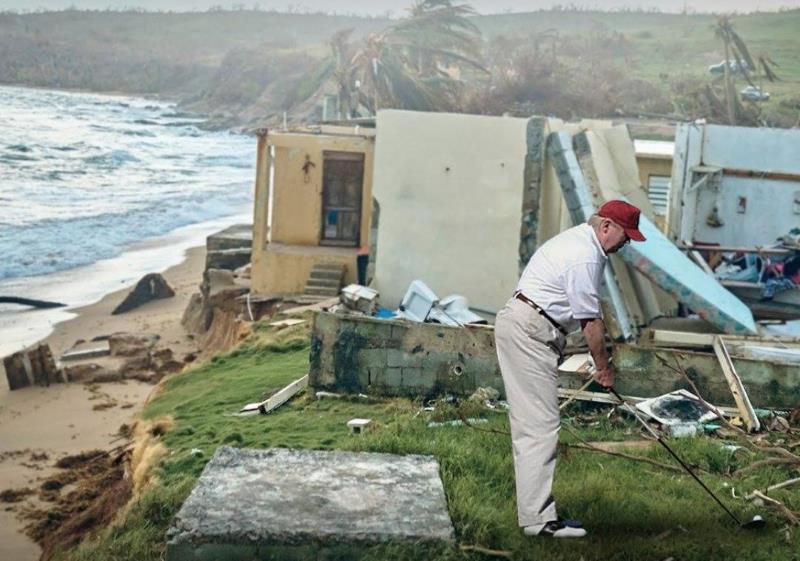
(777,486)
(486,551)
(735,383)
(576,394)
(586,446)
(788,514)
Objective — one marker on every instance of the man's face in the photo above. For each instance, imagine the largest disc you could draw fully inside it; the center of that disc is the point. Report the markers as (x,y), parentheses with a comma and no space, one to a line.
(612,236)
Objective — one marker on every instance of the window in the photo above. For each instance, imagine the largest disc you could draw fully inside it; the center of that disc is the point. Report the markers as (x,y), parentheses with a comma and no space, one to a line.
(658,193)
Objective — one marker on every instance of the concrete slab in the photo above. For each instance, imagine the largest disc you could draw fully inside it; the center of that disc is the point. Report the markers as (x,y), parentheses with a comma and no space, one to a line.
(662,262)
(303,504)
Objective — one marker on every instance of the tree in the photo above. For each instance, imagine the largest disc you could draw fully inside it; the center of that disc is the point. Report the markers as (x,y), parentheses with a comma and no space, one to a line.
(402,66)
(439,31)
(736,49)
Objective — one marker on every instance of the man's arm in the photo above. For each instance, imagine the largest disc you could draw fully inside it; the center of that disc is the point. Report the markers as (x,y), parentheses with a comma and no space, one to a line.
(594,331)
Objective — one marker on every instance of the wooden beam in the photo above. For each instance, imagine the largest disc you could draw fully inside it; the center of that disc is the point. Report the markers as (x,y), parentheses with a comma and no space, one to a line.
(666,338)
(692,340)
(278,399)
(698,259)
(708,247)
(773,175)
(746,410)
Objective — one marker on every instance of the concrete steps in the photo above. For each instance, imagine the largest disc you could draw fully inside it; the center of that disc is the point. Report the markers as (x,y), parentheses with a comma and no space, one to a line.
(325,280)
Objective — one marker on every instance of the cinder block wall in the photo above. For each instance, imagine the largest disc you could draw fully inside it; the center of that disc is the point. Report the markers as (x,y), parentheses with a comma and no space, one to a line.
(357,354)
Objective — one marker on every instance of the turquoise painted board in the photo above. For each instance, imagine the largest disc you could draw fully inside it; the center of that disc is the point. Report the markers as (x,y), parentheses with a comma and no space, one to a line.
(663,263)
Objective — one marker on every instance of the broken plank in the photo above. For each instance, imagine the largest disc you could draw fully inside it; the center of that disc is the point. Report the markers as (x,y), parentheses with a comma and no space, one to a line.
(287,323)
(700,262)
(311,307)
(581,363)
(693,340)
(278,399)
(689,339)
(740,396)
(87,352)
(622,445)
(728,249)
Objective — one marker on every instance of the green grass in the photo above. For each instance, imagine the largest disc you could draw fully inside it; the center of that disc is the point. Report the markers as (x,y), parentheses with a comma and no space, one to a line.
(625,504)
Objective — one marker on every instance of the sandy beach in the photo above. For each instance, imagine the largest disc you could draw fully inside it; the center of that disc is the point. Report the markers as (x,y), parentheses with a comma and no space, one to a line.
(40,425)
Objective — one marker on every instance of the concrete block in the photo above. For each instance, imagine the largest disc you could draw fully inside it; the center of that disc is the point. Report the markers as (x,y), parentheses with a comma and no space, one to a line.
(373,358)
(418,378)
(233,237)
(230,259)
(304,504)
(357,426)
(393,377)
(404,359)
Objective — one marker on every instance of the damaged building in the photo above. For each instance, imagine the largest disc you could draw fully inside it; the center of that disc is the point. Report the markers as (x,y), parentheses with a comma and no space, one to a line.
(465,217)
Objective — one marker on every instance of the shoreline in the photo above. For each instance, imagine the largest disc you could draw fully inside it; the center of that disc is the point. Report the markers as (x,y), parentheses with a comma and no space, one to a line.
(59,420)
(83,286)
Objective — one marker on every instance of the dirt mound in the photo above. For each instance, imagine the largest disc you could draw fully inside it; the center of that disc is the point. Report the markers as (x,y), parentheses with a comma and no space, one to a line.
(102,486)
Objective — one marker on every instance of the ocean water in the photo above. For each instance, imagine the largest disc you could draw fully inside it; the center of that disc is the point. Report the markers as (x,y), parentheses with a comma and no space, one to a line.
(82,176)
(96,191)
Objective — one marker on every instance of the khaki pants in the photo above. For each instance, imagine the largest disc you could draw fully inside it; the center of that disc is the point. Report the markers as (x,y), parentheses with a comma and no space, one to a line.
(529,349)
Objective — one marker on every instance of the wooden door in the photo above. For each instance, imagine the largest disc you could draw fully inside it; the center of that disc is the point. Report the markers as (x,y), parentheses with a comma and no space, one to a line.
(342,186)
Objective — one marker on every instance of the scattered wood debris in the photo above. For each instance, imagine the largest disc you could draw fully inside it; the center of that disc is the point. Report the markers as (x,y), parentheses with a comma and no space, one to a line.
(278,399)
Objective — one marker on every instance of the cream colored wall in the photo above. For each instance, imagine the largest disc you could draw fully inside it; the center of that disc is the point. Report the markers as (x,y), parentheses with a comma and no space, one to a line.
(653,165)
(285,270)
(297,209)
(297,198)
(450,191)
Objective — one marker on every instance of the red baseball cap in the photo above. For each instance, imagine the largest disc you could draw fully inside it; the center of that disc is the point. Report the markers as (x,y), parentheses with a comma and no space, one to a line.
(625,215)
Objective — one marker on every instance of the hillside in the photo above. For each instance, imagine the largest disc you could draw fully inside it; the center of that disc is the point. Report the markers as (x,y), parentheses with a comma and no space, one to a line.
(239,65)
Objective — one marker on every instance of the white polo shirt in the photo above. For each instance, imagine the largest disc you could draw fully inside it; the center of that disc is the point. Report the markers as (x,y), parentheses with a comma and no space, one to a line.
(563,277)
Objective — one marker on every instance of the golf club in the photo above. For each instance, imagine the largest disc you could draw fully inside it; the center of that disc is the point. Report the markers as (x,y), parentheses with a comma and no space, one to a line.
(756,522)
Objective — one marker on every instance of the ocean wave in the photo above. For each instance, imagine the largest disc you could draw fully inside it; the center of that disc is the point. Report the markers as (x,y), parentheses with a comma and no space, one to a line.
(115,157)
(82,180)
(29,250)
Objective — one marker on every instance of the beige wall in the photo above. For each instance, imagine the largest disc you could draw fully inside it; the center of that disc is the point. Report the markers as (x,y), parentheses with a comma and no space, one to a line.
(285,269)
(297,208)
(653,165)
(450,191)
(297,197)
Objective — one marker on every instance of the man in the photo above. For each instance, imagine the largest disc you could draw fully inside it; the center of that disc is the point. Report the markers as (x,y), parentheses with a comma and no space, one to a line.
(558,291)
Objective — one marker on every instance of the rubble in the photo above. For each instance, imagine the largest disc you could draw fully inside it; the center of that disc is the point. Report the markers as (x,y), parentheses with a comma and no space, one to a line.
(150,287)
(360,298)
(34,365)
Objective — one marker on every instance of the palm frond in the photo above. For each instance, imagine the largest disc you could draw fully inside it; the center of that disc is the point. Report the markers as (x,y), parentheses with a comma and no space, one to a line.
(742,49)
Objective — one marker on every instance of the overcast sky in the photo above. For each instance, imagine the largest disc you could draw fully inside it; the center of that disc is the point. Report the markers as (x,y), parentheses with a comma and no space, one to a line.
(397,7)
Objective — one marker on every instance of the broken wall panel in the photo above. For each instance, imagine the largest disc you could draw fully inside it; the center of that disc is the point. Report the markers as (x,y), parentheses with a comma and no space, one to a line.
(664,264)
(450,188)
(582,204)
(607,158)
(735,186)
(650,371)
(657,258)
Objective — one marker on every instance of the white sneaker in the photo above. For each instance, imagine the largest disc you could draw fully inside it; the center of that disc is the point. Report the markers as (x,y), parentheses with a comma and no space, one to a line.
(554,529)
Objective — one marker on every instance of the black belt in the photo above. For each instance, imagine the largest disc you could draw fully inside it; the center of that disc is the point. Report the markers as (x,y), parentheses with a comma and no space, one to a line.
(522,298)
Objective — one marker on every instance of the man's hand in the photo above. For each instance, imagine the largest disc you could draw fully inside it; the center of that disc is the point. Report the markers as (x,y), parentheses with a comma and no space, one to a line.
(594,331)
(605,376)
